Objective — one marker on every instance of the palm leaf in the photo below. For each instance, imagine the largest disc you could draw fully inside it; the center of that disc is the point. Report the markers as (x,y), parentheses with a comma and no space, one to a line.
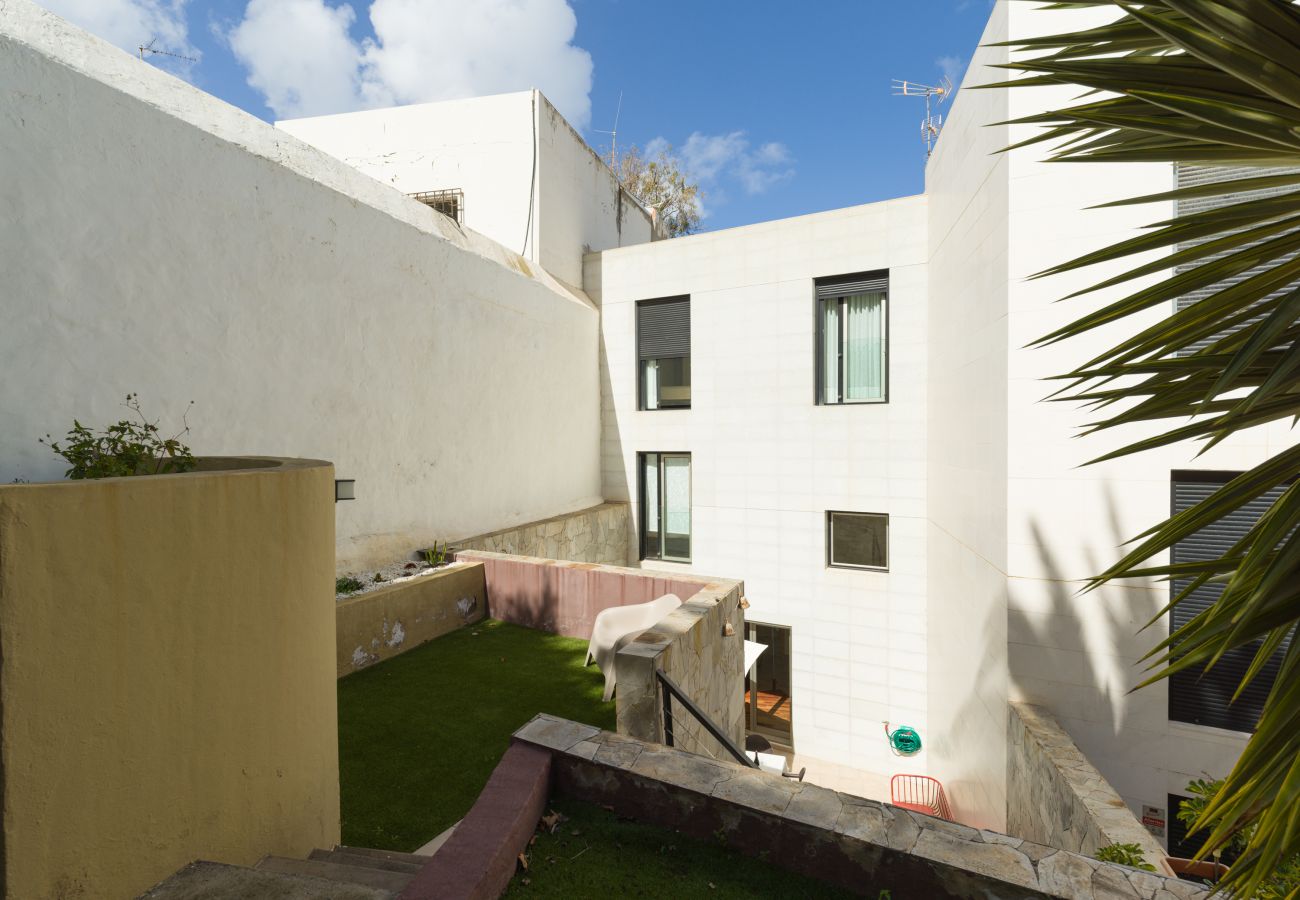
(1209,82)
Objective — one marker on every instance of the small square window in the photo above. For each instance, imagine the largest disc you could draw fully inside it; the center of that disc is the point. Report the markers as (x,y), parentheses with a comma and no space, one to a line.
(857,540)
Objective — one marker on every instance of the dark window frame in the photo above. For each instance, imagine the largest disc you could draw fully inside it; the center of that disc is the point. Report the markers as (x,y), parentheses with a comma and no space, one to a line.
(819,345)
(663,517)
(830,525)
(636,352)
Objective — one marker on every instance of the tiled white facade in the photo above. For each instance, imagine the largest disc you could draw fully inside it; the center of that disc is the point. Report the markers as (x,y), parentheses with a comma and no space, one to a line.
(767,463)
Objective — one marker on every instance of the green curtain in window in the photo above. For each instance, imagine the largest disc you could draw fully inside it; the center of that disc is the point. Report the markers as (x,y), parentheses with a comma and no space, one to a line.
(864,347)
(830,351)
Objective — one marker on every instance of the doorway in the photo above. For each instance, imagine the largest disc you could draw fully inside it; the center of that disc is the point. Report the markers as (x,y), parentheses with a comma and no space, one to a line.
(767,685)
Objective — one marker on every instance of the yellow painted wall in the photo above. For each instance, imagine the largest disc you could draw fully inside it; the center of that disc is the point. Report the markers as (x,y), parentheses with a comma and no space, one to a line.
(400,617)
(167,675)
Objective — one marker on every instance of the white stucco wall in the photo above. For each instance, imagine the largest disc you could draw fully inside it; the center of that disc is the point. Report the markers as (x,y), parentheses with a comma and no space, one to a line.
(157,240)
(485,147)
(967,461)
(480,145)
(767,463)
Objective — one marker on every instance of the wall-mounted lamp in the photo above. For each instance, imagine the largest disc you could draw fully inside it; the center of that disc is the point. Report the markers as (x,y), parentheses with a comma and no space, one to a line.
(345,489)
(728,631)
(744,603)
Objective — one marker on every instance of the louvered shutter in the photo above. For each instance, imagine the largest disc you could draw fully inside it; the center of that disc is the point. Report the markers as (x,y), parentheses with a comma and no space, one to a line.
(1204,697)
(663,328)
(1192,176)
(849,285)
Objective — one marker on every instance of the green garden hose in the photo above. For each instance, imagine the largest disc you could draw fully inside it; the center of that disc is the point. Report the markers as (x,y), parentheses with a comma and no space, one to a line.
(904,740)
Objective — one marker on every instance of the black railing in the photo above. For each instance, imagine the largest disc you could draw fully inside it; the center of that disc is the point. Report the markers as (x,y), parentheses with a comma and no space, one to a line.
(670,690)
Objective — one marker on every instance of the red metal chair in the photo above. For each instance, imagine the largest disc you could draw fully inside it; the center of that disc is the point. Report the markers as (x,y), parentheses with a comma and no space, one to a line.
(920,793)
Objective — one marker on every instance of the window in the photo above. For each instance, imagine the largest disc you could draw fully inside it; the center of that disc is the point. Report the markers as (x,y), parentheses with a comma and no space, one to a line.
(768,683)
(663,343)
(857,540)
(450,203)
(666,506)
(1198,696)
(852,340)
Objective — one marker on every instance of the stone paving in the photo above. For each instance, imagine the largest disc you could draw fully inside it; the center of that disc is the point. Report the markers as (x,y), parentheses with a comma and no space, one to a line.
(838,837)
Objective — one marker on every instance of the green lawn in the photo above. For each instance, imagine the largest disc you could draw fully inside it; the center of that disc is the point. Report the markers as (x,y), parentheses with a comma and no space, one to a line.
(420,734)
(596,854)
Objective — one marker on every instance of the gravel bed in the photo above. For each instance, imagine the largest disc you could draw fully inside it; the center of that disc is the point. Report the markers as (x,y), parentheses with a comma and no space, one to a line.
(393,573)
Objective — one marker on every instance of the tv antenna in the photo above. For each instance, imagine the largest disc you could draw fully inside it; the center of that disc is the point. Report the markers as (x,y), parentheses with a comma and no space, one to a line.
(149,48)
(931,92)
(613,134)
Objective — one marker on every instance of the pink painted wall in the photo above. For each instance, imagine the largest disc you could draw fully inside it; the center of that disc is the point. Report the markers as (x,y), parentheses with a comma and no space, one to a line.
(564,597)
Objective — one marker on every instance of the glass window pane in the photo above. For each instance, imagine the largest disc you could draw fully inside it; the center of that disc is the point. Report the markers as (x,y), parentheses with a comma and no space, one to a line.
(859,539)
(673,383)
(864,347)
(649,384)
(650,506)
(768,697)
(830,325)
(677,507)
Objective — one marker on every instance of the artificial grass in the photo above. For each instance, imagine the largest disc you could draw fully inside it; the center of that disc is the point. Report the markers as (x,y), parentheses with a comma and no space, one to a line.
(420,733)
(597,854)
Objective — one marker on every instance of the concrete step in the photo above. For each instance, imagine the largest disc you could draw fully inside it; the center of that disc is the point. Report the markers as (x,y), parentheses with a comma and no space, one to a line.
(367,861)
(417,858)
(219,881)
(331,871)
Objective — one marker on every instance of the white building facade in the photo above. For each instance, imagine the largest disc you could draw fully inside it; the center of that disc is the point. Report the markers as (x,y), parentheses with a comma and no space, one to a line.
(837,408)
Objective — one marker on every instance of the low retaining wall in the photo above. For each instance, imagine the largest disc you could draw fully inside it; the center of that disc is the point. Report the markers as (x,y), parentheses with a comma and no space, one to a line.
(860,845)
(599,534)
(166,674)
(1056,797)
(391,620)
(564,597)
(478,860)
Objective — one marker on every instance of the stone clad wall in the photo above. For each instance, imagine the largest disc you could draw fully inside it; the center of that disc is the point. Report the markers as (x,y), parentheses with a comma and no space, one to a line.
(599,534)
(691,648)
(1056,797)
(863,846)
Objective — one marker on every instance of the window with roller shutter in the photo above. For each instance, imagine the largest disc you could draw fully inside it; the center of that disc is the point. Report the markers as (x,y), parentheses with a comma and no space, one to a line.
(1198,696)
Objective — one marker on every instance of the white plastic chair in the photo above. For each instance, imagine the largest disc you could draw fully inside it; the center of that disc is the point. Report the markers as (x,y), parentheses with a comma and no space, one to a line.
(618,626)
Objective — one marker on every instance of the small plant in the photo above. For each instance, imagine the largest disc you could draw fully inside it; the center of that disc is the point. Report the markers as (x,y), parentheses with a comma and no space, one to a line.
(347,585)
(1125,855)
(435,556)
(131,447)
(378,578)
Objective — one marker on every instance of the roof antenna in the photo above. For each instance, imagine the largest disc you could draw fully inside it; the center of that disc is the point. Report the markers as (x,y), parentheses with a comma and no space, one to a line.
(613,135)
(149,48)
(933,121)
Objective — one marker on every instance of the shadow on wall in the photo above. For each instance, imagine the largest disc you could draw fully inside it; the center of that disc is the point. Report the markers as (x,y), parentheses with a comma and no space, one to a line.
(613,468)
(1073,652)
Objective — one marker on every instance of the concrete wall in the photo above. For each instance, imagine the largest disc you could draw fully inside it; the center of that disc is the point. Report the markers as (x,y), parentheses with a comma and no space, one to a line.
(966,466)
(167,676)
(1056,797)
(162,242)
(767,462)
(597,535)
(391,620)
(531,182)
(565,597)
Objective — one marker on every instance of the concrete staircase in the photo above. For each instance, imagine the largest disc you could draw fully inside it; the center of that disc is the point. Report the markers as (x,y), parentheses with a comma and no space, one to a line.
(344,873)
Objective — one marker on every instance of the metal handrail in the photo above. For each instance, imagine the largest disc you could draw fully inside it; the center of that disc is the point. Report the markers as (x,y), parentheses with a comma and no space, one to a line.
(671,690)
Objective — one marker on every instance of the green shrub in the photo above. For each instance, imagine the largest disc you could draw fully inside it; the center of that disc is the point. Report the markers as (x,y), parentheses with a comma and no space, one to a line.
(1125,855)
(1282,882)
(131,447)
(347,585)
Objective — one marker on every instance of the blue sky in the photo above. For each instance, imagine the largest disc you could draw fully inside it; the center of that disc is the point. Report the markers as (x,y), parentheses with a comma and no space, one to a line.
(781,108)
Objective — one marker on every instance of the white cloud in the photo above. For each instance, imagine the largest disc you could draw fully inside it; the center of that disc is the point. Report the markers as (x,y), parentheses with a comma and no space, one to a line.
(952,67)
(715,159)
(301,56)
(130,23)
